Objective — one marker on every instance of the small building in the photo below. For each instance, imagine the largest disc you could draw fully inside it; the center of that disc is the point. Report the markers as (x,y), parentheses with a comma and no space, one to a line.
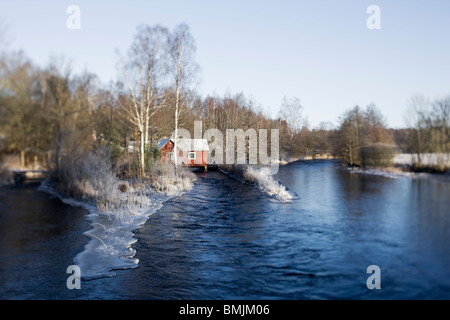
(165,146)
(191,152)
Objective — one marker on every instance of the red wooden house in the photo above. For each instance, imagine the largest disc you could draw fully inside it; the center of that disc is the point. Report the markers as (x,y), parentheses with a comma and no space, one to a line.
(166,148)
(191,152)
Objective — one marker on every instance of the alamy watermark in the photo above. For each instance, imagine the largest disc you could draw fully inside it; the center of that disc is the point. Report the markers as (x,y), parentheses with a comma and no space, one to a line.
(374,280)
(242,147)
(73,22)
(374,20)
(74,280)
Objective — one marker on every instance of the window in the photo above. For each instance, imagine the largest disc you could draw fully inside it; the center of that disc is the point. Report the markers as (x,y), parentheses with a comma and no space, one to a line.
(170,155)
(191,156)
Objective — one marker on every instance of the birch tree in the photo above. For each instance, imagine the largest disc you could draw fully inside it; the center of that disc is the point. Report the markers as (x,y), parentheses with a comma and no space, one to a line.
(182,52)
(144,74)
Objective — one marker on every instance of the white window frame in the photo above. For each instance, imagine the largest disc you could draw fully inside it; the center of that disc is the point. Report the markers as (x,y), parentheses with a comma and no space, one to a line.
(170,155)
(192,158)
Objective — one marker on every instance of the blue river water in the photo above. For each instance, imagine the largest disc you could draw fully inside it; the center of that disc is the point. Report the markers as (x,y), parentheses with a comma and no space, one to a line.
(225,239)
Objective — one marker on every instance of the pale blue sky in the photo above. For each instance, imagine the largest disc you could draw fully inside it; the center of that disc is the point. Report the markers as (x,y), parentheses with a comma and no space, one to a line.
(319,51)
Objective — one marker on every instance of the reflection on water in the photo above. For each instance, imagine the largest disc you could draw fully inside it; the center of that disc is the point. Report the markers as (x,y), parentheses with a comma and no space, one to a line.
(227,240)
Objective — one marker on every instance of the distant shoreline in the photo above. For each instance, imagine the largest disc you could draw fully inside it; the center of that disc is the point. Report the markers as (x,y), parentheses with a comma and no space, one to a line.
(394,172)
(434,166)
(307,158)
(403,166)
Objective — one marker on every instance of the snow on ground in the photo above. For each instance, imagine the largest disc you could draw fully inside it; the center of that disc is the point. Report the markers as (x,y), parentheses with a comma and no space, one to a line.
(426,158)
(406,159)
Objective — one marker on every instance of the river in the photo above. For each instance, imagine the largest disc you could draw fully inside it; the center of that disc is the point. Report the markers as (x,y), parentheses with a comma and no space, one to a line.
(225,239)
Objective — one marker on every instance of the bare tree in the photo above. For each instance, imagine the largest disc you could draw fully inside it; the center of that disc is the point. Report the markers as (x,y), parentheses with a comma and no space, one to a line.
(182,52)
(362,138)
(441,124)
(375,125)
(416,119)
(18,117)
(67,102)
(143,74)
(291,113)
(4,36)
(321,136)
(349,137)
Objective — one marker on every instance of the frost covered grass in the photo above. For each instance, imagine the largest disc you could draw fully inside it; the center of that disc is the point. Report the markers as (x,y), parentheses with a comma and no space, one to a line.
(162,178)
(90,177)
(116,206)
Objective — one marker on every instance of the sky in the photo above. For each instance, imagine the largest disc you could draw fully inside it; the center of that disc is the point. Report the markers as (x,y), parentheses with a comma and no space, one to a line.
(320,51)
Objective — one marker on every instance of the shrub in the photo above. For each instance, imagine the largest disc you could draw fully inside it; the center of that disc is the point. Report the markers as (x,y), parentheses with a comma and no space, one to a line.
(123,187)
(8,162)
(152,157)
(162,178)
(88,176)
(378,155)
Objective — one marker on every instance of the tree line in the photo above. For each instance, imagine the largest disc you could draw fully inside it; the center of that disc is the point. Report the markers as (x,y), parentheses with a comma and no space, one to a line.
(49,114)
(429,123)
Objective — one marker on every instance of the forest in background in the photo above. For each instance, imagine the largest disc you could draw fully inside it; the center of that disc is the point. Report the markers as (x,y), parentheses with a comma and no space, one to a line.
(55,119)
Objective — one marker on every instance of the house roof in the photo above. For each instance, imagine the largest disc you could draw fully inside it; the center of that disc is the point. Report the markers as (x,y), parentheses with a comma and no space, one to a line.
(188,144)
(193,144)
(162,143)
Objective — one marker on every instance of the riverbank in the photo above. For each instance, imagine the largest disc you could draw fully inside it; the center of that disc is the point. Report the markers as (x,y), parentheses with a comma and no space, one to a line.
(113,226)
(433,166)
(116,207)
(400,172)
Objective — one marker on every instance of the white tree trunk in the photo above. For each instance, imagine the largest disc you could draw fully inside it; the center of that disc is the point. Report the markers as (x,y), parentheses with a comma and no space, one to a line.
(142,155)
(177,101)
